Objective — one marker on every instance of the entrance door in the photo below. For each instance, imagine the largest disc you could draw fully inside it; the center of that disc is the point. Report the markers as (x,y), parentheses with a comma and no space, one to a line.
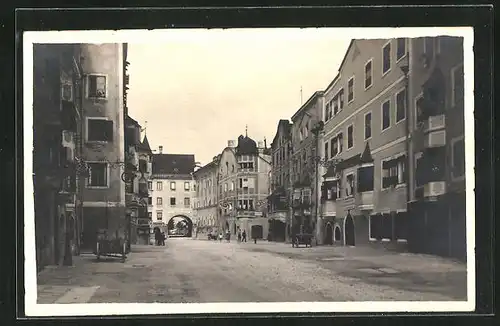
(257,232)
(329,234)
(349,231)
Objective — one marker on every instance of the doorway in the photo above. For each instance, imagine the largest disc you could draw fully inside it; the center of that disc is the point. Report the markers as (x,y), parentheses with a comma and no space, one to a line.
(336,236)
(329,234)
(349,231)
(257,232)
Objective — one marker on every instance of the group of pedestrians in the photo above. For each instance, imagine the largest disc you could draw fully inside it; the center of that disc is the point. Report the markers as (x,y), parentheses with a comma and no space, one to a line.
(242,236)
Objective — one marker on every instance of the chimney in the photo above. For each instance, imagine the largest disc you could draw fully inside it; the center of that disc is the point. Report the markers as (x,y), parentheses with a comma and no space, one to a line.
(231,143)
(160,149)
(265,143)
(260,144)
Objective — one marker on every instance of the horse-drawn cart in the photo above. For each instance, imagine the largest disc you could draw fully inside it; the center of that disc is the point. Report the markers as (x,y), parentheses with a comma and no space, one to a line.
(114,247)
(302,239)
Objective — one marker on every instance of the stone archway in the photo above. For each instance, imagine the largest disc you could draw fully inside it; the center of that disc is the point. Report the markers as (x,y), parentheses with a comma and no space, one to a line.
(329,234)
(349,231)
(187,230)
(337,234)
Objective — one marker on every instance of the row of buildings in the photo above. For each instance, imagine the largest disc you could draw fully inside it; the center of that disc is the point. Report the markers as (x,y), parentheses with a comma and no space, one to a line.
(379,155)
(90,167)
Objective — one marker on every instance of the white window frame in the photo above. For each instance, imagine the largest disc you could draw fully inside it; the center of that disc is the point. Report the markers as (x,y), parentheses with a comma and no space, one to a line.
(87,86)
(108,174)
(388,158)
(159,201)
(188,186)
(87,130)
(174,184)
(453,141)
(364,73)
(353,181)
(453,70)
(390,58)
(353,89)
(161,217)
(406,48)
(415,109)
(150,185)
(396,106)
(364,125)
(340,146)
(159,186)
(347,137)
(382,115)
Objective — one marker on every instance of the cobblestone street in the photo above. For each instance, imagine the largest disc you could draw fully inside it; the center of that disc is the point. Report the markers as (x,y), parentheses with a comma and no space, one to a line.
(188,270)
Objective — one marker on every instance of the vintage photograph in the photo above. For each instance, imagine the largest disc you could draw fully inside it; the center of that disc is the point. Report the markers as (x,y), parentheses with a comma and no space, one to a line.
(237,170)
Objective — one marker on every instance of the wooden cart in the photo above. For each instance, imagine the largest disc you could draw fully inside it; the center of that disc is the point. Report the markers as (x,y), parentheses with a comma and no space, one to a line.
(105,247)
(302,239)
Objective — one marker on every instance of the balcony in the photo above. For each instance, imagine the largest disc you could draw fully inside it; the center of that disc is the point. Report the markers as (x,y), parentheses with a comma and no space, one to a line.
(364,200)
(435,139)
(433,189)
(434,122)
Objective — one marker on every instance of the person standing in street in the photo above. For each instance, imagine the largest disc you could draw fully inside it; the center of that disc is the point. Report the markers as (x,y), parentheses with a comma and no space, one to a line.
(220,236)
(228,236)
(244,236)
(239,235)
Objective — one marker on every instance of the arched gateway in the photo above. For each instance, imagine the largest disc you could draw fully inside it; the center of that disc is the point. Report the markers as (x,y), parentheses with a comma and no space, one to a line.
(180,225)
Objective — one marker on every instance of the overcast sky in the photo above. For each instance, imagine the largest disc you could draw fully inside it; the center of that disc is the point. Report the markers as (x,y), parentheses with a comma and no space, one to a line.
(199,88)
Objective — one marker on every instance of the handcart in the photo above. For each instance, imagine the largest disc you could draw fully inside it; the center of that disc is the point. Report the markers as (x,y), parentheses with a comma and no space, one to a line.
(110,247)
(302,238)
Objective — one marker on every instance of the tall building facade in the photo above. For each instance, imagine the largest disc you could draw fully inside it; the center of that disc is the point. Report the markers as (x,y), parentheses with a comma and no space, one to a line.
(243,184)
(57,130)
(103,142)
(437,152)
(364,192)
(206,204)
(280,185)
(305,194)
(172,189)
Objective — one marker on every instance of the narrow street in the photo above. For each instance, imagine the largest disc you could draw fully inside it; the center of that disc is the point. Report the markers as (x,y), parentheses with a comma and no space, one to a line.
(198,271)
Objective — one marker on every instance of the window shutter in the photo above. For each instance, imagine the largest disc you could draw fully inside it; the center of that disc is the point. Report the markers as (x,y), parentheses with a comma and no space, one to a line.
(108,130)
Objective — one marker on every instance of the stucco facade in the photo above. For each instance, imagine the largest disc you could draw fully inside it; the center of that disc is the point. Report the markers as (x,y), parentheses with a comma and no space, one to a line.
(205,204)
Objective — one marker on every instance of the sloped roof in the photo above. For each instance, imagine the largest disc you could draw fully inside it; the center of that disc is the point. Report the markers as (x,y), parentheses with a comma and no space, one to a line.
(144,145)
(285,125)
(306,105)
(173,163)
(246,146)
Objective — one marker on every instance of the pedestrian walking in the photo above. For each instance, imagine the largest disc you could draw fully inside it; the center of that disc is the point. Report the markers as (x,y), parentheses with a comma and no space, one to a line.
(163,237)
(228,236)
(244,236)
(239,235)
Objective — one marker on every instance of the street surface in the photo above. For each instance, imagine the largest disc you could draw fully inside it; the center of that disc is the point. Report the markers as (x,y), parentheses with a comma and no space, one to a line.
(198,271)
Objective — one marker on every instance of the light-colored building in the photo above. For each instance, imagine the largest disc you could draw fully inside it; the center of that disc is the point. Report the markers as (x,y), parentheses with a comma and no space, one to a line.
(304,173)
(280,191)
(365,113)
(243,186)
(437,150)
(103,141)
(205,204)
(171,189)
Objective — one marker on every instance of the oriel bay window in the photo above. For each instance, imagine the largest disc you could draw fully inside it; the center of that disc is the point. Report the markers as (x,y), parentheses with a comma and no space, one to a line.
(245,205)
(434,163)
(306,196)
(331,190)
(365,178)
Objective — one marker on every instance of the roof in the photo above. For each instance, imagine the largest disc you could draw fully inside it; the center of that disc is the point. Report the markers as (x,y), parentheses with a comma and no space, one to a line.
(207,166)
(173,163)
(282,124)
(246,146)
(129,121)
(341,65)
(144,145)
(305,105)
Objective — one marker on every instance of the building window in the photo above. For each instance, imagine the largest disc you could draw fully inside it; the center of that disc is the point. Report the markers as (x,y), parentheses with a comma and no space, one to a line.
(328,111)
(98,175)
(225,187)
(172,201)
(159,185)
(150,200)
(232,186)
(386,115)
(332,190)
(350,90)
(368,74)
(393,171)
(400,106)
(341,99)
(349,189)
(350,136)
(419,170)
(150,185)
(326,150)
(159,201)
(99,130)
(159,216)
(232,168)
(368,125)
(365,178)
(457,84)
(187,202)
(335,103)
(401,48)
(186,186)
(334,147)
(97,86)
(386,58)
(173,186)
(458,158)
(150,215)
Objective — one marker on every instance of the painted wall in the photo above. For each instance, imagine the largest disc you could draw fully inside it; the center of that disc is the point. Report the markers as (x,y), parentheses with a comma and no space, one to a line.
(169,211)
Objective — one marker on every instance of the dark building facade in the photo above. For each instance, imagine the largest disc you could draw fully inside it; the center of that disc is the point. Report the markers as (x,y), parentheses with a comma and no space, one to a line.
(437,200)
(57,135)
